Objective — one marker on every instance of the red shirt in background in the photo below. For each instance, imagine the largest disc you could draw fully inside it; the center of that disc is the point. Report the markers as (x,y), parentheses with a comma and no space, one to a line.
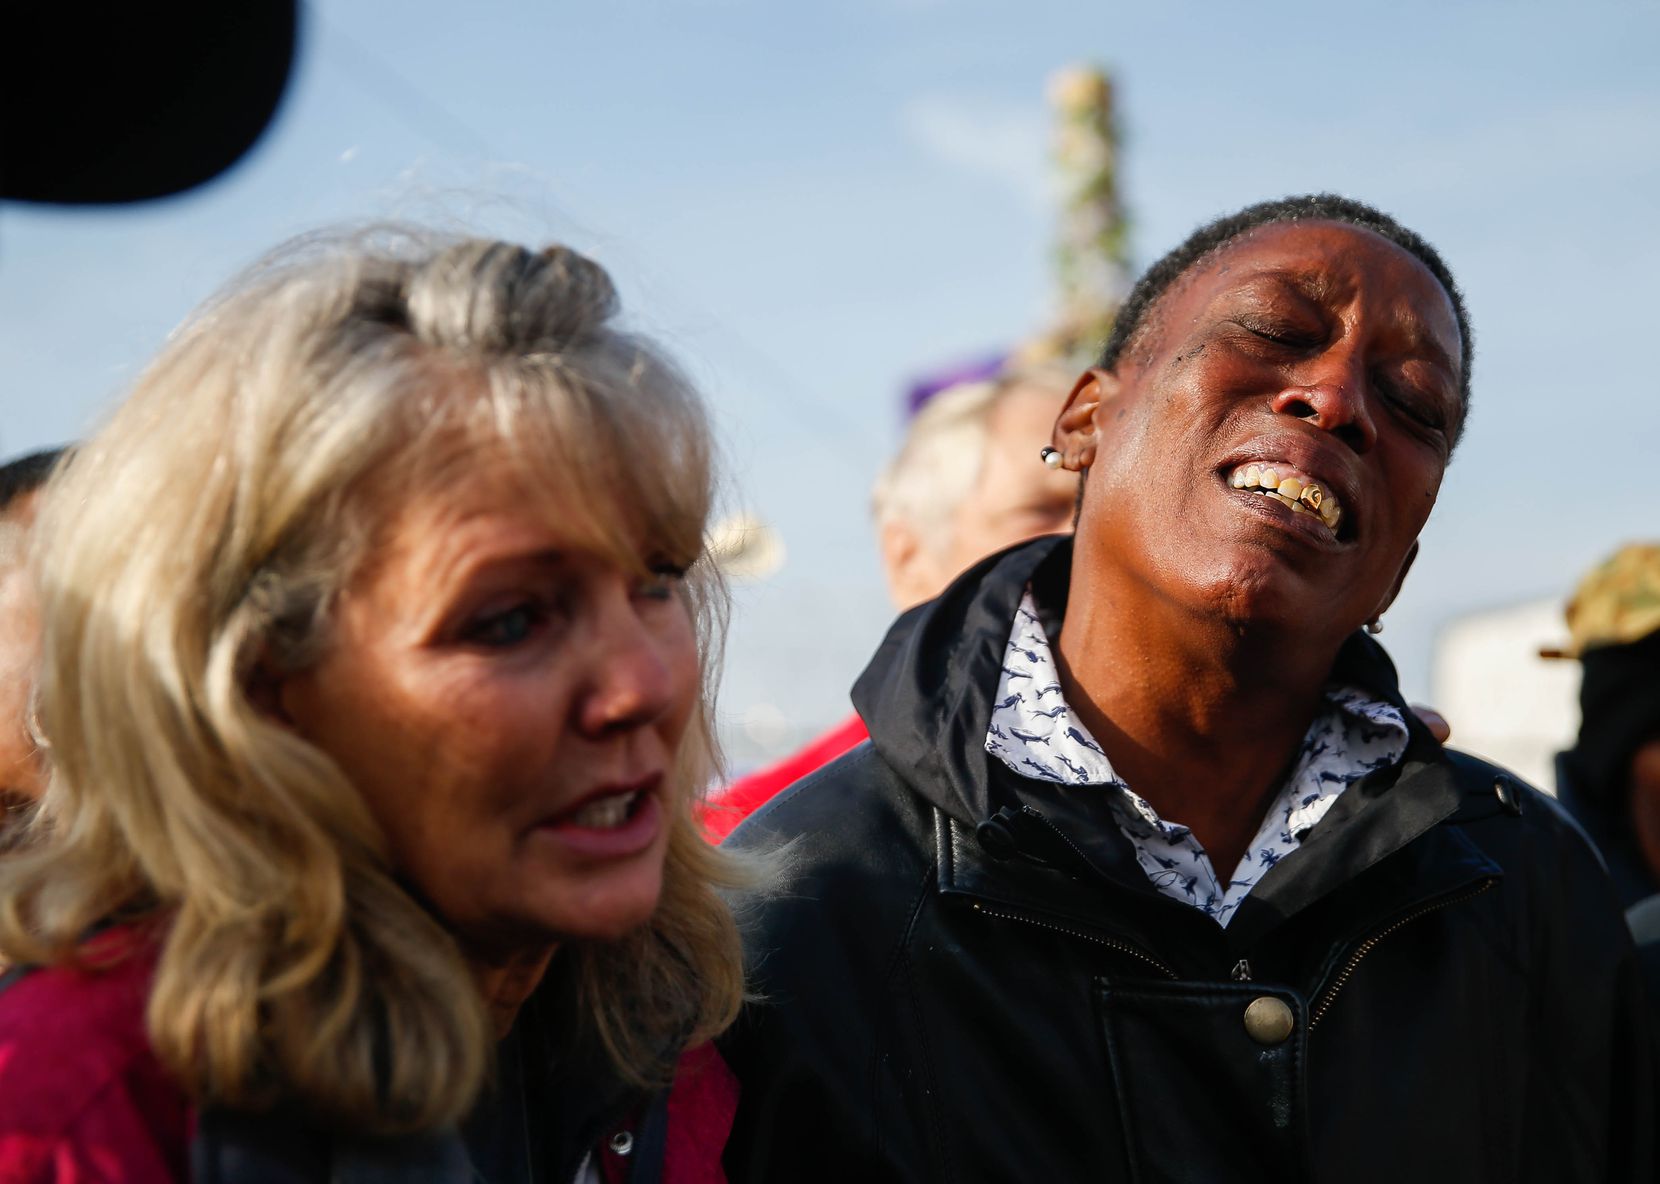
(730,806)
(83,1099)
(82,1096)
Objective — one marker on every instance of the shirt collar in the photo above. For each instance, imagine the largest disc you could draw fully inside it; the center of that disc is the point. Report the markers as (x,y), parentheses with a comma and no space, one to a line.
(1034,731)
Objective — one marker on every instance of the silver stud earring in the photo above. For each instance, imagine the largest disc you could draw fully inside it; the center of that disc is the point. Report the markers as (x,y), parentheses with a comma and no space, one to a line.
(1374,626)
(1051,457)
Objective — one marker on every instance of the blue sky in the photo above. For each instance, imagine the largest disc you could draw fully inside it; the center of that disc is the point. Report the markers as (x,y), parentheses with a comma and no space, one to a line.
(810,203)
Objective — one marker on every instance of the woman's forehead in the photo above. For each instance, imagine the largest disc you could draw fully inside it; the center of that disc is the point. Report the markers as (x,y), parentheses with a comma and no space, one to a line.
(1328,262)
(431,546)
(501,500)
(1322,255)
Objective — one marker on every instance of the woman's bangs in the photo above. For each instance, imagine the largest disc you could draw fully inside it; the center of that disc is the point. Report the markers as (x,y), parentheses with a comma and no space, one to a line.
(609,468)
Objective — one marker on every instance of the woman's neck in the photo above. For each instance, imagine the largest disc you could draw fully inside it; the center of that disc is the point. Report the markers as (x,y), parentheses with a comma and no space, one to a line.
(1200,718)
(506,980)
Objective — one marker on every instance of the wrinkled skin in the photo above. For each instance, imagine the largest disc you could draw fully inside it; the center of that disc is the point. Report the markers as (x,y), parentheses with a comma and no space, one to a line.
(1322,344)
(485,678)
(1203,620)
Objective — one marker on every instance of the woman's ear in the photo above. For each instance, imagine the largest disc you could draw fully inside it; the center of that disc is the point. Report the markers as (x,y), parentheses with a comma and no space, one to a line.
(1075,434)
(265,688)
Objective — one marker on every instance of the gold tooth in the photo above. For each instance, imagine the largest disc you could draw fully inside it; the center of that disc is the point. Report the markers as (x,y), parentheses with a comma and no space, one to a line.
(1309,498)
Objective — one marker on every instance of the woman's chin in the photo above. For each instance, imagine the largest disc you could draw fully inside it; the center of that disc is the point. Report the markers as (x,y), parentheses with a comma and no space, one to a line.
(1265,599)
(601,908)
(609,911)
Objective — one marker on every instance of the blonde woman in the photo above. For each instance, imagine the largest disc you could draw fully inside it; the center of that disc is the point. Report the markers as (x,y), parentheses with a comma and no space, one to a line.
(375,653)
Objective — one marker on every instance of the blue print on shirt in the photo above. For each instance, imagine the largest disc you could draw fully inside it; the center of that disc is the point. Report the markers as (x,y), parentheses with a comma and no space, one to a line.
(1353,736)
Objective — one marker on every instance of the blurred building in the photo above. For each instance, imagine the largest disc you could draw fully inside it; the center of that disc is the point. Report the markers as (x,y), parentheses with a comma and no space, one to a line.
(1504,701)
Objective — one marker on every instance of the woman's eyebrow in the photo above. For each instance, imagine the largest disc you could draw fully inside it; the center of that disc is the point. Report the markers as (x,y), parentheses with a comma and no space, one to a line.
(1422,341)
(464,561)
(488,561)
(1314,287)
(456,578)
(1321,288)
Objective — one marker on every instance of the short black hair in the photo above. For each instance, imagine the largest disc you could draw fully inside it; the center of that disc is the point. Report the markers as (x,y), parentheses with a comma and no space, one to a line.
(25,474)
(1313,207)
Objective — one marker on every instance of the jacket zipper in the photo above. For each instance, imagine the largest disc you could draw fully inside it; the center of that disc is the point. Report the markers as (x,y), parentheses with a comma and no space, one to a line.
(1366,947)
(1041,817)
(1078,933)
(1083,861)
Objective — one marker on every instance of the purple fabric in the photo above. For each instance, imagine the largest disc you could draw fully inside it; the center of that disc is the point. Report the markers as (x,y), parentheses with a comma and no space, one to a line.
(923,389)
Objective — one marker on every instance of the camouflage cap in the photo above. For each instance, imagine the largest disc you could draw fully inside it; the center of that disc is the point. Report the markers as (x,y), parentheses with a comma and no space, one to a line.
(1617,603)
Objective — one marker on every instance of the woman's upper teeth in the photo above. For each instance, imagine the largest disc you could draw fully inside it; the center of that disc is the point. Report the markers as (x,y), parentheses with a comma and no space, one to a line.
(1290,487)
(605,813)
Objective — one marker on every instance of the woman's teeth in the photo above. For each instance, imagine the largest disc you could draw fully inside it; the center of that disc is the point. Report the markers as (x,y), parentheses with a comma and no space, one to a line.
(1299,493)
(606,813)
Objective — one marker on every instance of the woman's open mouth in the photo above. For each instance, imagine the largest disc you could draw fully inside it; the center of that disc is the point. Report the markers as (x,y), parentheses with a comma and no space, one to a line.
(615,820)
(1295,490)
(607,813)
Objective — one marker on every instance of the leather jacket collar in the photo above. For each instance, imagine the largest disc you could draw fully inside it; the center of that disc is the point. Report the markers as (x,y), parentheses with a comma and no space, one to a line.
(926,697)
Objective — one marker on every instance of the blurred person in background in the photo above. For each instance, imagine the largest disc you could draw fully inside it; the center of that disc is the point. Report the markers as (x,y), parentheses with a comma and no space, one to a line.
(1148,873)
(21,769)
(961,486)
(1610,779)
(374,625)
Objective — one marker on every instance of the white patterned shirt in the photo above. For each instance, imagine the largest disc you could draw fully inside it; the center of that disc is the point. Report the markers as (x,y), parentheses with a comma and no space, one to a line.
(1034,732)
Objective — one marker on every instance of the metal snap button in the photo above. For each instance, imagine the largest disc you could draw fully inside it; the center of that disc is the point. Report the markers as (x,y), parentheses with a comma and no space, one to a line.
(622,1143)
(1268,1020)
(1508,793)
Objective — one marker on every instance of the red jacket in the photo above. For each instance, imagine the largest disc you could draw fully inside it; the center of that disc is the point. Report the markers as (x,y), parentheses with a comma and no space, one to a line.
(83,1099)
(730,806)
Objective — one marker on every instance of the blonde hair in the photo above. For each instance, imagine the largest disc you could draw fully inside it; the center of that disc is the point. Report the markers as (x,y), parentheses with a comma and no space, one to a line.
(210,525)
(944,451)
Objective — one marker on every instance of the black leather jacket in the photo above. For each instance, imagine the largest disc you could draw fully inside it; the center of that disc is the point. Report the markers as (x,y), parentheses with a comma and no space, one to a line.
(966,976)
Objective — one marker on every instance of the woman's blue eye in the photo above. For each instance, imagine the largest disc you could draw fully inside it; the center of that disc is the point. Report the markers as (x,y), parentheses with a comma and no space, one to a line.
(506,628)
(660,584)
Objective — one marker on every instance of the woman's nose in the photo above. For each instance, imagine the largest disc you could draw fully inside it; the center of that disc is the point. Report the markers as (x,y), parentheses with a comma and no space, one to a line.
(1338,407)
(630,679)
